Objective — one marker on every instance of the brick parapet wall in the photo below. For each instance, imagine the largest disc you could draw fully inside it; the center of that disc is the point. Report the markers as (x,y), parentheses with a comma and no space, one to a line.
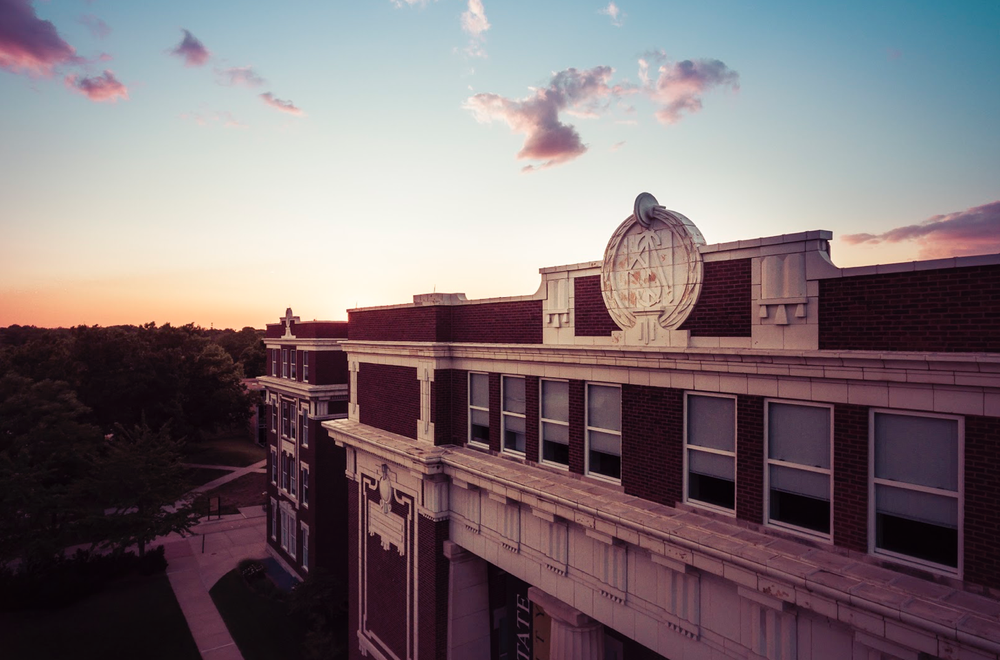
(531,418)
(653,443)
(590,315)
(432,588)
(982,501)
(723,308)
(750,458)
(308,330)
(850,476)
(515,322)
(577,430)
(946,310)
(381,383)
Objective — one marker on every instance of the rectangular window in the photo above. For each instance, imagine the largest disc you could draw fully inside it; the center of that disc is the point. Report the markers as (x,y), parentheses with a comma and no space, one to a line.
(479,409)
(284,363)
(274,466)
(274,362)
(291,477)
(305,366)
(305,484)
(304,421)
(293,362)
(799,466)
(274,417)
(916,503)
(513,413)
(604,430)
(305,547)
(274,519)
(284,471)
(710,450)
(287,531)
(285,431)
(555,422)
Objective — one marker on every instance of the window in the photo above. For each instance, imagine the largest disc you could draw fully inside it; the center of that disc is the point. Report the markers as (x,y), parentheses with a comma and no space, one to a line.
(284,363)
(284,471)
(291,477)
(305,366)
(710,450)
(479,409)
(274,417)
(305,546)
(513,413)
(555,422)
(288,530)
(274,362)
(293,362)
(284,419)
(305,484)
(274,466)
(916,505)
(274,519)
(604,430)
(304,420)
(799,460)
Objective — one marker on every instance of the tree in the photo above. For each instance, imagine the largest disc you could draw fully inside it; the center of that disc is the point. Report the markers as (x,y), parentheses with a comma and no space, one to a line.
(140,478)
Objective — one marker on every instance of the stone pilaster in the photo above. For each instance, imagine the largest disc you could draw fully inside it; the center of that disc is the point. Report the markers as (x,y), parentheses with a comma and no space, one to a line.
(574,635)
(468,605)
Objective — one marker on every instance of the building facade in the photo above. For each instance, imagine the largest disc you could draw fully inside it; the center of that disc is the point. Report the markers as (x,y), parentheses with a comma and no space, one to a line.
(681,451)
(305,385)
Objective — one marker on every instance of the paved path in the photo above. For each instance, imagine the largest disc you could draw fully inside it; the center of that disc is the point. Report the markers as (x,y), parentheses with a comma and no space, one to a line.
(234,473)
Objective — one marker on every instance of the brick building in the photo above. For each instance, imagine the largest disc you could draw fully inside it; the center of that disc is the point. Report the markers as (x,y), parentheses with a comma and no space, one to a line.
(681,451)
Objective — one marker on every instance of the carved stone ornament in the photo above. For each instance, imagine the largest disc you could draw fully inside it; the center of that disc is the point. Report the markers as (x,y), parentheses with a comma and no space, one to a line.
(652,272)
(385,490)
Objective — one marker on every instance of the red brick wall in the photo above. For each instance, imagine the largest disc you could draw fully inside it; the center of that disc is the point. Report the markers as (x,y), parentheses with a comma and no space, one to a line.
(353,597)
(723,308)
(386,583)
(328,494)
(590,316)
(389,397)
(450,406)
(518,322)
(850,476)
(531,417)
(432,603)
(328,367)
(309,330)
(494,412)
(750,458)
(982,501)
(955,309)
(653,443)
(577,429)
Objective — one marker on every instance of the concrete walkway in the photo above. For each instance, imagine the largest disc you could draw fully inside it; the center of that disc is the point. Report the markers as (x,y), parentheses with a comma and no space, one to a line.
(234,474)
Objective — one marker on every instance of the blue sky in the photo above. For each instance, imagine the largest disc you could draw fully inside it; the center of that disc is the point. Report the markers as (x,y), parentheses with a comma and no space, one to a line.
(167,191)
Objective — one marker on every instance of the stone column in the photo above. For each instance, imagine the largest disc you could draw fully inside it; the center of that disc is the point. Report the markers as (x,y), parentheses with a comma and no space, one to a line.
(574,635)
(468,605)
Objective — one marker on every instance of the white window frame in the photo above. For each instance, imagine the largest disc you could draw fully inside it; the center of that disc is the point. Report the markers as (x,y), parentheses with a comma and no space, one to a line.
(274,466)
(304,422)
(284,363)
(292,474)
(305,546)
(721,452)
(544,420)
(303,482)
(293,363)
(588,428)
(953,571)
(468,430)
(768,462)
(274,362)
(305,366)
(504,414)
(274,418)
(288,536)
(275,512)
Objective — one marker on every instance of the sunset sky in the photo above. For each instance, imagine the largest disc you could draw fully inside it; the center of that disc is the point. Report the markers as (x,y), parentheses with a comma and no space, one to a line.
(217,162)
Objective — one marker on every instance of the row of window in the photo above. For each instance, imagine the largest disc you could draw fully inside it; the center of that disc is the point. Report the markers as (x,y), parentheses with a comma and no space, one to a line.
(915,481)
(287,472)
(289,363)
(292,424)
(283,521)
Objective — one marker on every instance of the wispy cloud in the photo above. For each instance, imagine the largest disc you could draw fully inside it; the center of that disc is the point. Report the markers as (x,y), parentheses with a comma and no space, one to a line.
(475,24)
(192,51)
(617,145)
(97,27)
(207,119)
(537,116)
(239,75)
(680,86)
(98,88)
(973,231)
(27,43)
(615,12)
(279,104)
(408,3)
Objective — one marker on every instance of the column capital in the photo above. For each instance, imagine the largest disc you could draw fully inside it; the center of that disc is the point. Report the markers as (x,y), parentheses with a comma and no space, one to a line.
(557,609)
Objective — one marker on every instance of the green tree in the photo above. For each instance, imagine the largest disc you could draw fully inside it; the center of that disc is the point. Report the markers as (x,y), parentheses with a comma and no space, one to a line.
(139,477)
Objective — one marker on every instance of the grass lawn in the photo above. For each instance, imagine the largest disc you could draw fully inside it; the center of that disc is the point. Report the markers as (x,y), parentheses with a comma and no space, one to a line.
(260,624)
(200,476)
(134,617)
(233,449)
(246,491)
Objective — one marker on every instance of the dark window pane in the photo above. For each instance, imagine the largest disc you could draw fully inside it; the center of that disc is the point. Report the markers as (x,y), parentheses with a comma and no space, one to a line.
(917,539)
(801,511)
(481,434)
(513,440)
(712,490)
(553,451)
(606,464)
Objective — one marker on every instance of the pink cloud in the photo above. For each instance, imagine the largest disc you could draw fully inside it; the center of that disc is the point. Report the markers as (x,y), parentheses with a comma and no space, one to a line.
(615,13)
(99,88)
(191,50)
(680,86)
(239,75)
(973,231)
(537,116)
(29,44)
(474,23)
(278,104)
(97,27)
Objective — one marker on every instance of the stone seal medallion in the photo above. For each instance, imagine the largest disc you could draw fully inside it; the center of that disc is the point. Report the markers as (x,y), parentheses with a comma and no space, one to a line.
(652,273)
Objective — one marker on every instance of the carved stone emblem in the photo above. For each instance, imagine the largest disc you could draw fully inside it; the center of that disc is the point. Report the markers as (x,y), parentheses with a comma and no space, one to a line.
(652,272)
(385,490)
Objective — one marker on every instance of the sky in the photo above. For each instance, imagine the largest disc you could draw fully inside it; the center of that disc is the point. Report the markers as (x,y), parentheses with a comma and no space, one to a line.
(217,162)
